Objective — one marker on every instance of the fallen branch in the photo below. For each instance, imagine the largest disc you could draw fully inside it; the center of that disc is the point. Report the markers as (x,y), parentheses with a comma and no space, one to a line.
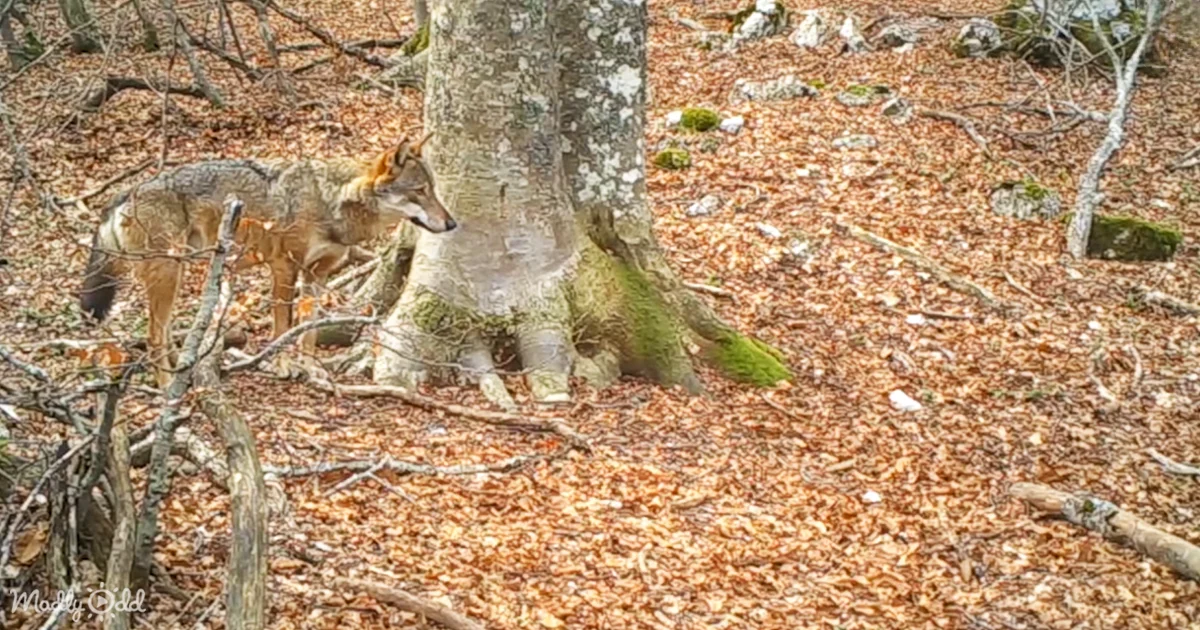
(410,603)
(1116,524)
(1172,466)
(1168,301)
(360,43)
(113,85)
(962,285)
(366,467)
(1020,287)
(967,125)
(711,290)
(326,37)
(291,335)
(496,418)
(352,275)
(1189,159)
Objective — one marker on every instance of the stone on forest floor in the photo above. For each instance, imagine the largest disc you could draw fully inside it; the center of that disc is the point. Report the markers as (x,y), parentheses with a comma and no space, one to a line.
(764,19)
(855,141)
(1132,239)
(783,88)
(863,95)
(905,32)
(979,38)
(852,38)
(673,118)
(1025,199)
(706,206)
(898,109)
(733,124)
(813,30)
(1042,31)
(767,230)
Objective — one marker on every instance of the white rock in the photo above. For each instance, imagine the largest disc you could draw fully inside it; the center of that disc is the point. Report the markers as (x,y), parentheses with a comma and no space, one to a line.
(898,109)
(855,141)
(852,38)
(1074,274)
(1163,399)
(769,231)
(870,496)
(768,7)
(1094,325)
(706,206)
(812,32)
(674,117)
(903,402)
(916,319)
(1161,204)
(733,124)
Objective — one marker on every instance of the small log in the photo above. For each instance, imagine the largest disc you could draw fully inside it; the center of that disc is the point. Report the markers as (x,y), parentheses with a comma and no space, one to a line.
(411,603)
(1115,524)
(1169,302)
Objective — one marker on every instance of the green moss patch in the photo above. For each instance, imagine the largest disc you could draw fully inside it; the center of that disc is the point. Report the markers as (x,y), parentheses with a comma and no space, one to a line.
(699,119)
(655,345)
(1132,239)
(418,42)
(869,90)
(673,159)
(748,360)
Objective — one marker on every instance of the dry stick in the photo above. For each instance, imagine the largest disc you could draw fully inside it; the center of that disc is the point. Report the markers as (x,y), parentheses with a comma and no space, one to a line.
(1115,524)
(132,171)
(511,420)
(1171,302)
(967,125)
(114,85)
(366,466)
(325,36)
(1019,287)
(1189,159)
(1088,198)
(13,522)
(711,290)
(183,43)
(246,595)
(291,335)
(962,285)
(352,275)
(158,475)
(410,603)
(1172,466)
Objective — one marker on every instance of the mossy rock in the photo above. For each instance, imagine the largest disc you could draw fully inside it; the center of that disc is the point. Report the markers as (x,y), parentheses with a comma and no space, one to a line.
(673,159)
(1132,239)
(418,42)
(748,360)
(1027,35)
(699,119)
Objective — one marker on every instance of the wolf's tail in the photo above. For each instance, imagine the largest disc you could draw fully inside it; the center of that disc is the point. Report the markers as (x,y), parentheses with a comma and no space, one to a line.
(103,268)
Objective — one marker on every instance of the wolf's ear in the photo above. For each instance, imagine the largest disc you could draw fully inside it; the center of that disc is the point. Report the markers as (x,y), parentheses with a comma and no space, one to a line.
(400,154)
(416,148)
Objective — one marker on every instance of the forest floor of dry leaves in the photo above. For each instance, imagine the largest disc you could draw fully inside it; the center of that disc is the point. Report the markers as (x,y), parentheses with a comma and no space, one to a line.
(746,508)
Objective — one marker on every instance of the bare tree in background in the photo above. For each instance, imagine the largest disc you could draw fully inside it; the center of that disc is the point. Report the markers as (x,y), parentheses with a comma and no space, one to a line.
(1088,198)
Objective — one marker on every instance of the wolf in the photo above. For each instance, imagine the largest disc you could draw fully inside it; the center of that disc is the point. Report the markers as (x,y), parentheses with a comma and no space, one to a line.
(300,218)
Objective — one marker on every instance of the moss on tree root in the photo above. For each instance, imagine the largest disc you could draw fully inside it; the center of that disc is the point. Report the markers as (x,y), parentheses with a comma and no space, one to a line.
(748,360)
(418,42)
(1131,239)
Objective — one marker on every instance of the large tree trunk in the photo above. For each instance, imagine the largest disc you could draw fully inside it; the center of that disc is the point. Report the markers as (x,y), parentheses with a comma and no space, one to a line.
(560,264)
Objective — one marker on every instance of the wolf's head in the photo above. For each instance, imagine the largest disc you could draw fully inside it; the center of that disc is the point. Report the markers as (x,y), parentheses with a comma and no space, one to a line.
(403,187)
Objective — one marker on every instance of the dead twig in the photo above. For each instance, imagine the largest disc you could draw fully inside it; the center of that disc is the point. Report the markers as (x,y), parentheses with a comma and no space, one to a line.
(410,603)
(967,125)
(1172,466)
(923,262)
(1170,302)
(1022,289)
(711,290)
(291,335)
(1190,158)
(496,418)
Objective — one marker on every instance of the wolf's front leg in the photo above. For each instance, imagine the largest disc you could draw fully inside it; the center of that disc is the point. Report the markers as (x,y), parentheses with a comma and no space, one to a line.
(161,277)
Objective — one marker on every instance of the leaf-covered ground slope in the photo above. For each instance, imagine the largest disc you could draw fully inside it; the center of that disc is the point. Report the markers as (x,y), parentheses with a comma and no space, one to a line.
(811,506)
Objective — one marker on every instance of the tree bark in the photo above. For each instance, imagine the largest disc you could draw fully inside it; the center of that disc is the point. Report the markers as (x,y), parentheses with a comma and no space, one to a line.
(421,13)
(555,253)
(120,560)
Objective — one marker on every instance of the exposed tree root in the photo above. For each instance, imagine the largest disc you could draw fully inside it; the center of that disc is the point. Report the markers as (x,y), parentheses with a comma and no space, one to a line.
(1114,523)
(113,85)
(411,468)
(923,262)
